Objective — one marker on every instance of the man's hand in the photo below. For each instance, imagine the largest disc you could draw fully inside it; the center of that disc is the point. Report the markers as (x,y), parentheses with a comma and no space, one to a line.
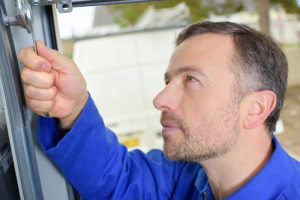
(53,84)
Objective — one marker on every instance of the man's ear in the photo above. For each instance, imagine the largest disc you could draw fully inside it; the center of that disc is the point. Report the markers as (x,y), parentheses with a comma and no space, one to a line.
(261,104)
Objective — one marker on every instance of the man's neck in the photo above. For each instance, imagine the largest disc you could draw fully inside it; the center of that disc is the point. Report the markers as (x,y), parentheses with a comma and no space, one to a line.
(228,173)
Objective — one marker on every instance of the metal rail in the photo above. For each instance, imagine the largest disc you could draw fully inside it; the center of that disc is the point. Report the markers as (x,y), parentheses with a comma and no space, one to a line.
(65,6)
(18,127)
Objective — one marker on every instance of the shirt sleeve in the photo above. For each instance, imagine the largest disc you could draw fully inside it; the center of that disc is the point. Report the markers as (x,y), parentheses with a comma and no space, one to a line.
(99,167)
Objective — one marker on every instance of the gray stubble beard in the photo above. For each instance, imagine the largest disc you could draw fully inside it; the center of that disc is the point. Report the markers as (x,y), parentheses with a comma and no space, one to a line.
(193,148)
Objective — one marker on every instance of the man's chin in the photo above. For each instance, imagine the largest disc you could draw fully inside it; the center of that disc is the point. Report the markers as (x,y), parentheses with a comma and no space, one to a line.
(173,149)
(172,157)
(171,153)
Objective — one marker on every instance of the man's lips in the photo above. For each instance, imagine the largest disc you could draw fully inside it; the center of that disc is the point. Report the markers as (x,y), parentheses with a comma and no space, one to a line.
(170,123)
(169,126)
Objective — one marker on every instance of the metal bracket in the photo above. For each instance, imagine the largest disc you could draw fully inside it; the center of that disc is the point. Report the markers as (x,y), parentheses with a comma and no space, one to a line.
(22,18)
(63,6)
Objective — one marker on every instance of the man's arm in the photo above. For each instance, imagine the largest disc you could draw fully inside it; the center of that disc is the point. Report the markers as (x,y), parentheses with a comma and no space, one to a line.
(89,155)
(92,159)
(53,84)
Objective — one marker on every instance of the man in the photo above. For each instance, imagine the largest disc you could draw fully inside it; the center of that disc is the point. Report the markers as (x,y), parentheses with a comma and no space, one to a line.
(225,86)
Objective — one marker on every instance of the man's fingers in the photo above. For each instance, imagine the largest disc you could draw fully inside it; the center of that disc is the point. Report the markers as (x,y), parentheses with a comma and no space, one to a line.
(41,94)
(45,59)
(61,79)
(41,80)
(58,61)
(38,105)
(30,59)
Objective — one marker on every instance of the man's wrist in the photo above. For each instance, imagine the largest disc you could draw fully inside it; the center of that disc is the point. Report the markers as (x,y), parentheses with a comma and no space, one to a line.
(67,122)
(61,131)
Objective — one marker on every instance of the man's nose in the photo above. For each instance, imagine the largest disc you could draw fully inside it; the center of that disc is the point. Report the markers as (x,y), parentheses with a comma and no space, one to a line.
(167,99)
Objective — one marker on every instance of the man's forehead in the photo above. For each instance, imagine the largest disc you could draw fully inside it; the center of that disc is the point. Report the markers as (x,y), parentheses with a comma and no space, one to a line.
(210,37)
(203,50)
(208,41)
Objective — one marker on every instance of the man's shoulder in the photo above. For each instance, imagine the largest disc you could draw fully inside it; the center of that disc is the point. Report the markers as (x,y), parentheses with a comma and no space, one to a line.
(296,168)
(292,190)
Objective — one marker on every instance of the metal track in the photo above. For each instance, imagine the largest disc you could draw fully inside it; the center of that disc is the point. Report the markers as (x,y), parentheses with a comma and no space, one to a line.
(18,128)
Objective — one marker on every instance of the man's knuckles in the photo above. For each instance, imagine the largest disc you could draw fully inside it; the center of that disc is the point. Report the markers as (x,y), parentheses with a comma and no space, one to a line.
(37,79)
(38,105)
(41,94)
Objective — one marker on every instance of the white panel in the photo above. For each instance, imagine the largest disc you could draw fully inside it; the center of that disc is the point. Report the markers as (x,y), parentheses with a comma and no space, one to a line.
(116,92)
(156,46)
(105,53)
(153,81)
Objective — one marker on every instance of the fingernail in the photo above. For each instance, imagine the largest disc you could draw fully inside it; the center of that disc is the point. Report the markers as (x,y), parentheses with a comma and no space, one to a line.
(46,67)
(40,44)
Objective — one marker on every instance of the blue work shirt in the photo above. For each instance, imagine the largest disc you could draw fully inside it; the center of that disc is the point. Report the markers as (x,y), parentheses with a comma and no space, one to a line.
(99,167)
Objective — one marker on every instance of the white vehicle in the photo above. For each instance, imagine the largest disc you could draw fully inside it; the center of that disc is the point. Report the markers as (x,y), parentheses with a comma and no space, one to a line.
(124,72)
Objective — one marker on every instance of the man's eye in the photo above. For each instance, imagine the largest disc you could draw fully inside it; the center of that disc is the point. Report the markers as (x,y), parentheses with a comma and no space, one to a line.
(167,82)
(190,79)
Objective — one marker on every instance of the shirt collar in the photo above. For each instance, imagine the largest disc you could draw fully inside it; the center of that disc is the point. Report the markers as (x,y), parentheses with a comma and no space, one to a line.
(274,176)
(202,185)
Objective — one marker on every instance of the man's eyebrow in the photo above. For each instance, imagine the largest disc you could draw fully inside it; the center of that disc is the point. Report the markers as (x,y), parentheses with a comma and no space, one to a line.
(188,68)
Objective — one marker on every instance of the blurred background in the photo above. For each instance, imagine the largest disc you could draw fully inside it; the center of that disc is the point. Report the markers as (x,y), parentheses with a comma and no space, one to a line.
(123,51)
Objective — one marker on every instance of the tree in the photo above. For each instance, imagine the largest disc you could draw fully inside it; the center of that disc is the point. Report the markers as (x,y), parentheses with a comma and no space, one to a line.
(263,7)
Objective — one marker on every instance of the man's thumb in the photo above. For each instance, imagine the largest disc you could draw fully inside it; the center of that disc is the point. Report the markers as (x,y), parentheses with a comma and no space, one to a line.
(58,62)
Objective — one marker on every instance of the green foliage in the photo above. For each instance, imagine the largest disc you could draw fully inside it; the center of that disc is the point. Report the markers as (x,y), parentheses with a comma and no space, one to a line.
(199,9)
(226,7)
(130,13)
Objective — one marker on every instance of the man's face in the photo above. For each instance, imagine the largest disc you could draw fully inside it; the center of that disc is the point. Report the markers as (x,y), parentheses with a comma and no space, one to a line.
(200,113)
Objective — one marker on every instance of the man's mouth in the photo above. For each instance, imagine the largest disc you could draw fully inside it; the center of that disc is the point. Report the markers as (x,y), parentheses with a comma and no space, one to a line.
(170,123)
(169,127)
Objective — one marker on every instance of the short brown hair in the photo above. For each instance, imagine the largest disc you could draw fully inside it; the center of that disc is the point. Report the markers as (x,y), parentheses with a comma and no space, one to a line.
(263,65)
